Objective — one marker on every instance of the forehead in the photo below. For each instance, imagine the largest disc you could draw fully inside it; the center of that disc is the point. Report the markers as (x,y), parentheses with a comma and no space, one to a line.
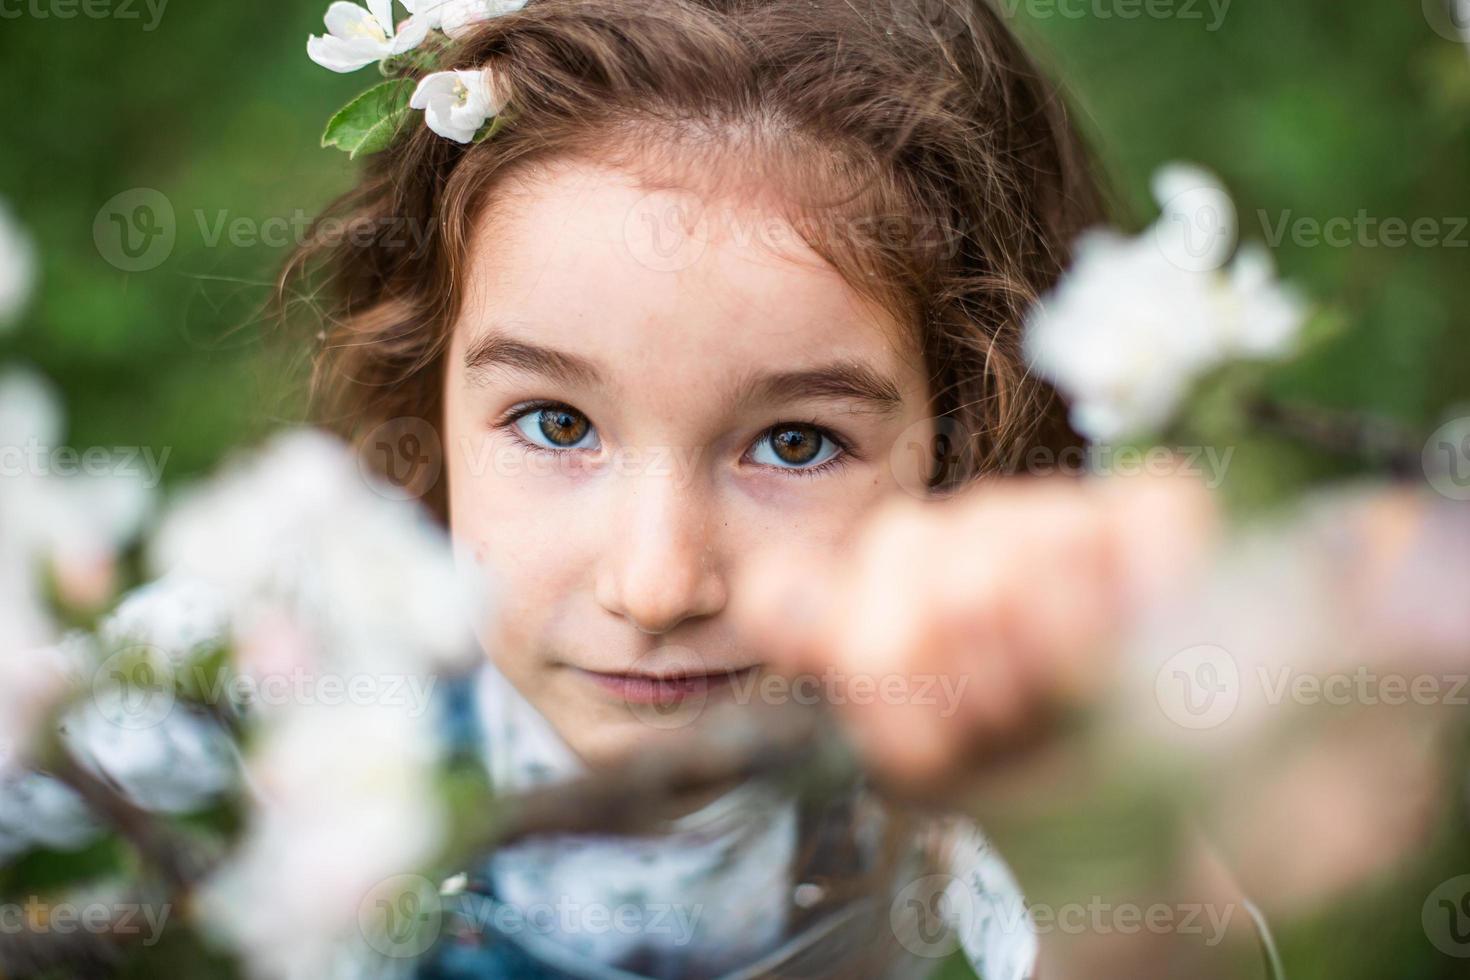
(592,259)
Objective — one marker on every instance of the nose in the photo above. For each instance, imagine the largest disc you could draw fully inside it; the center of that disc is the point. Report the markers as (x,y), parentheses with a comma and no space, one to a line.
(660,567)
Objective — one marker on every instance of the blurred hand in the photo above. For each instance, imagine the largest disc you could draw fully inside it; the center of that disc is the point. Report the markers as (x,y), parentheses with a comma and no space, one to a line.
(957,631)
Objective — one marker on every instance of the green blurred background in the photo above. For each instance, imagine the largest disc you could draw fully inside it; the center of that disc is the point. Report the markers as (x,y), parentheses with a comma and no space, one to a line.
(1319,108)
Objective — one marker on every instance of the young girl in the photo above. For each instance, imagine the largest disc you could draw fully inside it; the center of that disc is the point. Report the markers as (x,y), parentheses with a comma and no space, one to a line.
(731,278)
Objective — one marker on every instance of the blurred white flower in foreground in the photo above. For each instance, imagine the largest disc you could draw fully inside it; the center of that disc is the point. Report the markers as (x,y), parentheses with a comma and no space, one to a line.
(296,534)
(32,680)
(347,801)
(458,17)
(325,573)
(17,268)
(28,409)
(34,808)
(1196,228)
(68,527)
(37,810)
(179,616)
(357,37)
(1137,321)
(174,765)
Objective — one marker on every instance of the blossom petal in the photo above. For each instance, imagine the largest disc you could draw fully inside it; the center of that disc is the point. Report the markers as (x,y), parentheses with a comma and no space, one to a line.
(1197,229)
(455,103)
(431,86)
(349,22)
(440,120)
(411,33)
(338,55)
(459,17)
(382,11)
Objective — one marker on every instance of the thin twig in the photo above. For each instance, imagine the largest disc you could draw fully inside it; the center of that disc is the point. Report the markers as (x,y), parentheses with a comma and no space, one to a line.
(164,851)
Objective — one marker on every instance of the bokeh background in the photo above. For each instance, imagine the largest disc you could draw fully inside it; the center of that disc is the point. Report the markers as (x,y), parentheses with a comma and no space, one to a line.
(1308,109)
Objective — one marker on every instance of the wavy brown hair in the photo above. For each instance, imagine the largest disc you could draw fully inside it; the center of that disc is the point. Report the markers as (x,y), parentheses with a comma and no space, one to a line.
(917,148)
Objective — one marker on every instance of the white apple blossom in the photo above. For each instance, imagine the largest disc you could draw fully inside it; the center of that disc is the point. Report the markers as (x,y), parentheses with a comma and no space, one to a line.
(68,526)
(173,766)
(457,103)
(17,268)
(28,680)
(458,17)
(300,530)
(36,810)
(347,801)
(176,615)
(34,681)
(1137,321)
(52,525)
(357,36)
(30,409)
(1197,228)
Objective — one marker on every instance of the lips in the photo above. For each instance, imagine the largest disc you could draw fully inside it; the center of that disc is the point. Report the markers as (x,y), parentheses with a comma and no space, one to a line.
(663,689)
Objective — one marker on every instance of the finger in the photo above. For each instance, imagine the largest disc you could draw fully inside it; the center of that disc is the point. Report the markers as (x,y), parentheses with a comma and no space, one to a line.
(783,608)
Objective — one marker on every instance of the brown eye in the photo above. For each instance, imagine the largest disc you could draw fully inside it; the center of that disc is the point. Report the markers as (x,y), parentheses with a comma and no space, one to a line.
(797,445)
(564,426)
(557,427)
(793,445)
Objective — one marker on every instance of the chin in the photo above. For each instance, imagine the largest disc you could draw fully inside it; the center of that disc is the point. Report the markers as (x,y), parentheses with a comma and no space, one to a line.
(609,735)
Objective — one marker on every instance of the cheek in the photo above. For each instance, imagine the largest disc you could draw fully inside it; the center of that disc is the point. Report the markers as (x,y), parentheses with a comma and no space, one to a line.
(788,519)
(507,524)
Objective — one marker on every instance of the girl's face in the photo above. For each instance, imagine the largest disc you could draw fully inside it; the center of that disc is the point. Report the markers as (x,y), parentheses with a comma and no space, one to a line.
(635,413)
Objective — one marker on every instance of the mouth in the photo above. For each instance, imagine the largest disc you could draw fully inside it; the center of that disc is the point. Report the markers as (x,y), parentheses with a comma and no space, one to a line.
(666,688)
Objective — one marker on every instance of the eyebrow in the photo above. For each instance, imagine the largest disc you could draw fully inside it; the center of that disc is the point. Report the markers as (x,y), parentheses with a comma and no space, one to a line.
(494,350)
(843,380)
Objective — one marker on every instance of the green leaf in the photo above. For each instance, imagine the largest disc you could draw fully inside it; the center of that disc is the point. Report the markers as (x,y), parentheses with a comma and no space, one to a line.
(494,126)
(369,122)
